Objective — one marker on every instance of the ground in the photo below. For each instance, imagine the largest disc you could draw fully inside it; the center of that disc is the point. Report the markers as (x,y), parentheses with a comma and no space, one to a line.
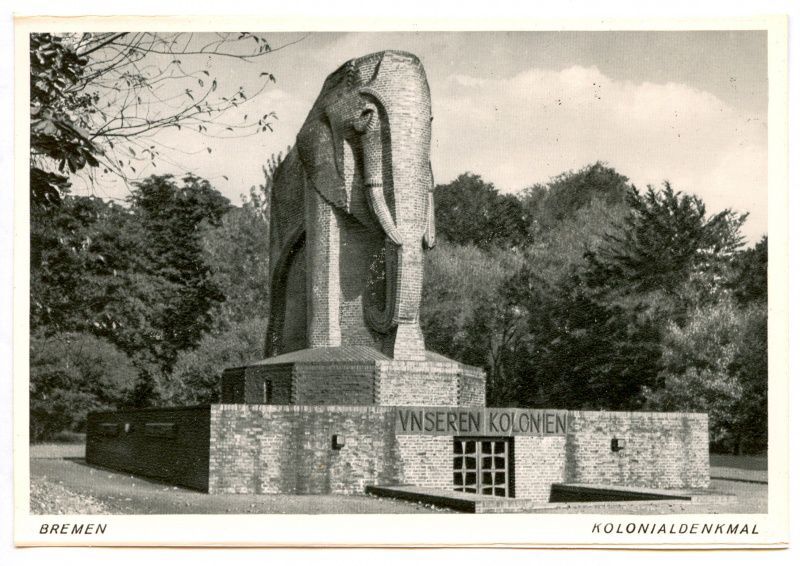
(62,483)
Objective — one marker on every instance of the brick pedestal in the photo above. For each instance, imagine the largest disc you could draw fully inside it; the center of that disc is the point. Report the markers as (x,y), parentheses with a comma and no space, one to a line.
(354,375)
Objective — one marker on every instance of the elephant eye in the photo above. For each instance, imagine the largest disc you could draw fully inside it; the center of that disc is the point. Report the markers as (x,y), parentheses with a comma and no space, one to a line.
(366,120)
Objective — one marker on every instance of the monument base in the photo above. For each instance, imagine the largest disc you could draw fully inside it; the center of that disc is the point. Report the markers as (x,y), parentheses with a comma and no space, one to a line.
(294,449)
(354,375)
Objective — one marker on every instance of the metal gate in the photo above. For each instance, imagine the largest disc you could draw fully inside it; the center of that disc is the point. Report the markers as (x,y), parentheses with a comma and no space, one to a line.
(483,466)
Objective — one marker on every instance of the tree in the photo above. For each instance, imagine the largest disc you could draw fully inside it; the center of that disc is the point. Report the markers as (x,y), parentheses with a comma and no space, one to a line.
(72,374)
(751,366)
(237,253)
(471,211)
(197,373)
(97,99)
(549,206)
(55,70)
(581,352)
(749,277)
(174,219)
(559,251)
(717,363)
(466,318)
(136,276)
(665,241)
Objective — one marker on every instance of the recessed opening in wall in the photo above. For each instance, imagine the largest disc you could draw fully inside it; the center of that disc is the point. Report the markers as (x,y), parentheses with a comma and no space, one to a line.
(266,391)
(483,465)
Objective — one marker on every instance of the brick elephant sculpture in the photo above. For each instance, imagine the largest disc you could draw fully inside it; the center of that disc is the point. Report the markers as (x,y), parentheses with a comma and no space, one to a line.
(352,214)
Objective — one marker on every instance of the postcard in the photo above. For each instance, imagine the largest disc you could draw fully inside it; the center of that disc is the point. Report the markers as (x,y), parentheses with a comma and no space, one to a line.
(361,283)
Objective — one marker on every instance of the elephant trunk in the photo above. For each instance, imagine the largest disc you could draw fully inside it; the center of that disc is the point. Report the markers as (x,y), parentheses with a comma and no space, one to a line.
(396,149)
(404,259)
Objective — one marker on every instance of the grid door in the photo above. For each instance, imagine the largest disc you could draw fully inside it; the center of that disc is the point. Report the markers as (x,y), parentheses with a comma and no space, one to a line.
(481,465)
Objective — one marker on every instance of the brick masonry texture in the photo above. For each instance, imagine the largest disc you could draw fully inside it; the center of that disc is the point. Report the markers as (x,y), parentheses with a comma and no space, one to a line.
(280,449)
(367,378)
(289,449)
(167,444)
(351,203)
(662,450)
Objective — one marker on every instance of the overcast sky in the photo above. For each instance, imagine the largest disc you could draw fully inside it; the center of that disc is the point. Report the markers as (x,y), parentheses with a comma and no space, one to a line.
(518,108)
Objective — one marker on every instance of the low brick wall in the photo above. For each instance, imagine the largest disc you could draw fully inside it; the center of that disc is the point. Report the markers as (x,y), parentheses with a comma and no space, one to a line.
(288,449)
(167,444)
(664,450)
(252,448)
(539,462)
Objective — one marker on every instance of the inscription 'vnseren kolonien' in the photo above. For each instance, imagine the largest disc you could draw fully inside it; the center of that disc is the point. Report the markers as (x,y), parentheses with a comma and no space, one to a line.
(483,422)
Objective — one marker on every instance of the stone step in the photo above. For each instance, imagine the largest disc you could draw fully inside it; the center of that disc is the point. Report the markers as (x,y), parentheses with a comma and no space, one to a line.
(580,492)
(456,500)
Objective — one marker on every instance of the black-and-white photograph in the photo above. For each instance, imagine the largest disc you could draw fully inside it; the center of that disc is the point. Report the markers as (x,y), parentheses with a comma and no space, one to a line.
(433,272)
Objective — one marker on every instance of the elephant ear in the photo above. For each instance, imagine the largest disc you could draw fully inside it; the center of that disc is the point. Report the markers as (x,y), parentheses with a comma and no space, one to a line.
(321,154)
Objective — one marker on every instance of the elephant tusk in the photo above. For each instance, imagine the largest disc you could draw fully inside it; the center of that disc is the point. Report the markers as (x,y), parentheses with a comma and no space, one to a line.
(377,202)
(373,183)
(429,237)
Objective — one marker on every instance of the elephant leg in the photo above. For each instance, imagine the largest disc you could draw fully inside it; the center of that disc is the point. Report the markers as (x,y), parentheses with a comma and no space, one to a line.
(284,263)
(322,272)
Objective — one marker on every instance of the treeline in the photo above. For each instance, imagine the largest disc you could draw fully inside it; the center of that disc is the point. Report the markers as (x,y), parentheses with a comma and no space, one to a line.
(586,293)
(581,293)
(140,304)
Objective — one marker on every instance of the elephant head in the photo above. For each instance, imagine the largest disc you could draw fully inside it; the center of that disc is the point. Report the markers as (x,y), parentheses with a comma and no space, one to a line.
(365,147)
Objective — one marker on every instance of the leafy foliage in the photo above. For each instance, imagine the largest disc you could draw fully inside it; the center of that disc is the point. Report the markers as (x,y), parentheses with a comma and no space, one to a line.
(717,363)
(237,253)
(467,318)
(98,98)
(197,374)
(135,276)
(749,277)
(550,205)
(662,242)
(471,211)
(72,374)
(583,352)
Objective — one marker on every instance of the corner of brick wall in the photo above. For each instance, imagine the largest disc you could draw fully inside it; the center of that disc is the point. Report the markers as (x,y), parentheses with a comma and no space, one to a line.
(170,444)
(288,449)
(662,450)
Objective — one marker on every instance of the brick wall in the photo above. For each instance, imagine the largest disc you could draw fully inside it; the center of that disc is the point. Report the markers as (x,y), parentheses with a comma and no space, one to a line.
(258,384)
(430,383)
(251,448)
(471,387)
(539,462)
(426,460)
(439,381)
(417,383)
(288,449)
(334,384)
(167,444)
(360,255)
(666,450)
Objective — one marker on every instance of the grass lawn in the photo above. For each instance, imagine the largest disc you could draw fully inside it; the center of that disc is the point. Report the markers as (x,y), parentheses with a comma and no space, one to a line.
(758,462)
